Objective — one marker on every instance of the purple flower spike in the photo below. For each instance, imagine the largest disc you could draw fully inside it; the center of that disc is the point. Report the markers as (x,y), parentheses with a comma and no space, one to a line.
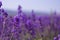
(54,38)
(17,19)
(19,11)
(5,14)
(19,7)
(59,35)
(0,4)
(33,13)
(2,10)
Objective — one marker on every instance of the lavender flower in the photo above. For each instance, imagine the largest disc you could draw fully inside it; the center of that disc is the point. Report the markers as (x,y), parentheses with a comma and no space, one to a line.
(0,3)
(2,10)
(19,9)
(55,38)
(33,15)
(17,20)
(59,35)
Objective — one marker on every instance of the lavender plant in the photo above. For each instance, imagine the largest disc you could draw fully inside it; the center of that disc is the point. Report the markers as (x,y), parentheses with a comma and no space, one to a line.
(0,3)
(23,27)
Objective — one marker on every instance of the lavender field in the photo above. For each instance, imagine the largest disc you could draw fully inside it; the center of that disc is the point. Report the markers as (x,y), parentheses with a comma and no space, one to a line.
(24,26)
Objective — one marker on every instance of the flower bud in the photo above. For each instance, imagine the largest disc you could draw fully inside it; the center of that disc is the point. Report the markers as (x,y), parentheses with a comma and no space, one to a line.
(0,4)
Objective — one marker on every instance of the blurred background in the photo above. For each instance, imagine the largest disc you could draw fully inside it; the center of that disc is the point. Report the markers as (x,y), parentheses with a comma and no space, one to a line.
(44,6)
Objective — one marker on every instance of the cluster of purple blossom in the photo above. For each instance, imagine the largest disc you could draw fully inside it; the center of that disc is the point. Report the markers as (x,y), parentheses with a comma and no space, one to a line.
(23,27)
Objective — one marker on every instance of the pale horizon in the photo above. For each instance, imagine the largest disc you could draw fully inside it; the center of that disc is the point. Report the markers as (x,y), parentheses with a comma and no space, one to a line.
(37,5)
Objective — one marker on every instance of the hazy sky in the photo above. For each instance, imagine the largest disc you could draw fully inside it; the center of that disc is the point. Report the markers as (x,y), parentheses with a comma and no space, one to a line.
(37,5)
